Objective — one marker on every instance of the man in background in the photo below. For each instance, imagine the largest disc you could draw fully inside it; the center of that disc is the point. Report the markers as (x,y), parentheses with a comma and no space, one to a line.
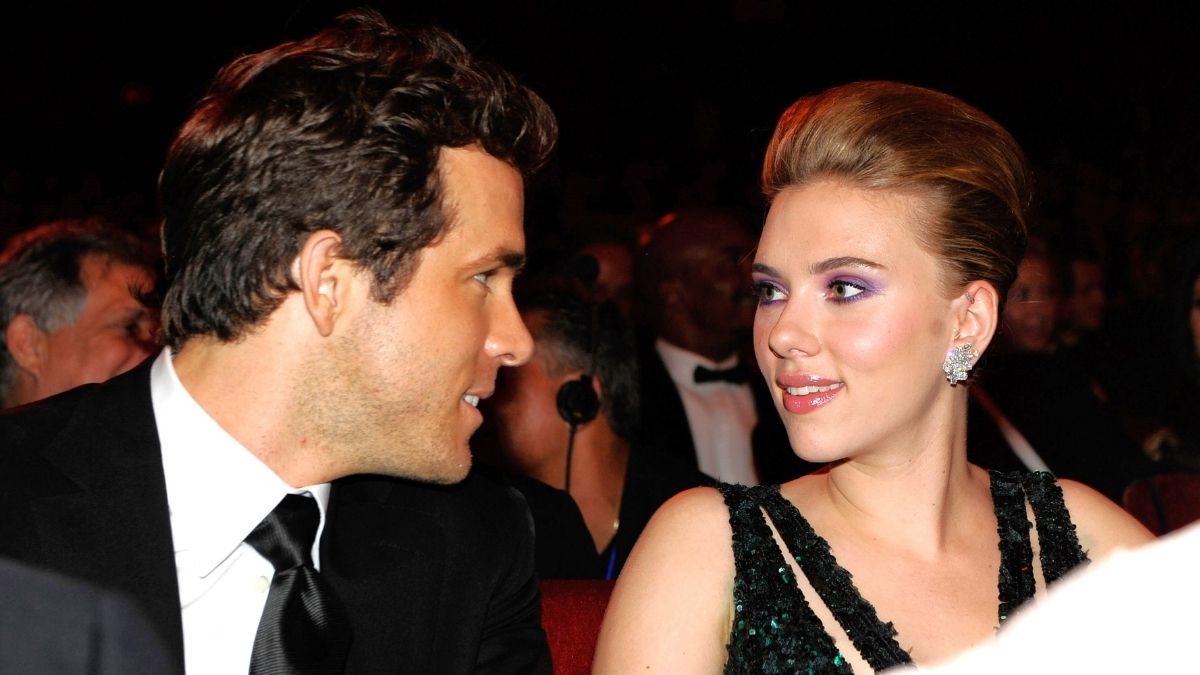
(71,309)
(703,397)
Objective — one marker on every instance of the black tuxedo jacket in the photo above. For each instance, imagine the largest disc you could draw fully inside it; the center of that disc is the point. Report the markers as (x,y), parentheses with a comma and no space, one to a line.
(664,423)
(435,579)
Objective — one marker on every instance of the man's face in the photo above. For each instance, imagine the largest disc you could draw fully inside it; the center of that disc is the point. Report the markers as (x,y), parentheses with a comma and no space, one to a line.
(409,374)
(114,332)
(716,282)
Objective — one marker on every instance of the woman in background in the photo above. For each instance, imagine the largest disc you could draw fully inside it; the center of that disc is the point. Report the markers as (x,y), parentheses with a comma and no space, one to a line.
(896,225)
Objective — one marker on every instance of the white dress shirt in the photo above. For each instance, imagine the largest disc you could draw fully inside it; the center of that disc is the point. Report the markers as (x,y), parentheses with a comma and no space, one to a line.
(720,415)
(218,492)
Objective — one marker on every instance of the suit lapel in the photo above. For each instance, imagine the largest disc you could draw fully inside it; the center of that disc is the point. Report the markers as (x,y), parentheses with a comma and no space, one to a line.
(663,418)
(115,530)
(386,563)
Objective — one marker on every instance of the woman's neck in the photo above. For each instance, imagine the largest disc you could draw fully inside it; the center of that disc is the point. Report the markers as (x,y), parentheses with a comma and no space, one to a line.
(598,480)
(917,506)
(911,491)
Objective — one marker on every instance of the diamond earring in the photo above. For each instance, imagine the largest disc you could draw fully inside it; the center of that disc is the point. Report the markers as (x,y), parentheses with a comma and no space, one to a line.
(958,362)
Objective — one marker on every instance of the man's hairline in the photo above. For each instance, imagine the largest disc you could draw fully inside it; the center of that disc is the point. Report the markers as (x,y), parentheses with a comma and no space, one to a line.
(450,219)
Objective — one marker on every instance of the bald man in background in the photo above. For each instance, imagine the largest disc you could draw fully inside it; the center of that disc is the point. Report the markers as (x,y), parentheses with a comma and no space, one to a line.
(703,398)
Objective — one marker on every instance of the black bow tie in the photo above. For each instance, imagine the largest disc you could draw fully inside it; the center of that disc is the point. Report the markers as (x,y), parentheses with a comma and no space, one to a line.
(734,375)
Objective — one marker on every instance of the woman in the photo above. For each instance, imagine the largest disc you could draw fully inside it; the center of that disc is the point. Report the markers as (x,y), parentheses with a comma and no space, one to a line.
(896,224)
(1033,304)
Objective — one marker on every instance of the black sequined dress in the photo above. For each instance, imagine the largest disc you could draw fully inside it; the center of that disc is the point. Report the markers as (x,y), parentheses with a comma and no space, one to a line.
(775,629)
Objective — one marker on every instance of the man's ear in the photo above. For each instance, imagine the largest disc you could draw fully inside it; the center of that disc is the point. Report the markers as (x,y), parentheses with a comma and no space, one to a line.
(976,315)
(324,277)
(27,343)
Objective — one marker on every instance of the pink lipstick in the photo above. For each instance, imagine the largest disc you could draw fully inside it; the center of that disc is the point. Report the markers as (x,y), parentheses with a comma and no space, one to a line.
(803,394)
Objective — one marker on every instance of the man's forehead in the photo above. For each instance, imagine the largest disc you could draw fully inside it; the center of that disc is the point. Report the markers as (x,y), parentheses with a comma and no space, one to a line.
(98,267)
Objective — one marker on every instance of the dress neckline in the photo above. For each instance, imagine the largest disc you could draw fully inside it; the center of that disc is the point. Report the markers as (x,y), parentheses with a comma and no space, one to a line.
(874,638)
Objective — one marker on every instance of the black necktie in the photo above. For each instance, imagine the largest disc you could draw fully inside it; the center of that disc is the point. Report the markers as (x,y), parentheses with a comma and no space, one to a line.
(304,628)
(734,375)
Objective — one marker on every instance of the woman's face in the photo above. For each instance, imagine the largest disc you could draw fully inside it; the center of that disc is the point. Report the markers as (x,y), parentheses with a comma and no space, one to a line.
(1029,317)
(852,324)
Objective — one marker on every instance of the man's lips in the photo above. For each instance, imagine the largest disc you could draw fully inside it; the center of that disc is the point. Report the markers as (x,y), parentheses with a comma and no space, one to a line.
(474,396)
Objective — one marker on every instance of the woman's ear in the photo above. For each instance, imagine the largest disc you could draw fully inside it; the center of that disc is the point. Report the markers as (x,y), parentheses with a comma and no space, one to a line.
(976,316)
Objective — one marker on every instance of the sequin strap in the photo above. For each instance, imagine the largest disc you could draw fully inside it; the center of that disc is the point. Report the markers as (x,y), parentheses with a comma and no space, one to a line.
(874,639)
(1016,554)
(1058,545)
(774,628)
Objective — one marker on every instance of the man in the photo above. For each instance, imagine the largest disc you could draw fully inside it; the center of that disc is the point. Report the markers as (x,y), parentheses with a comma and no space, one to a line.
(342,224)
(699,398)
(71,309)
(584,370)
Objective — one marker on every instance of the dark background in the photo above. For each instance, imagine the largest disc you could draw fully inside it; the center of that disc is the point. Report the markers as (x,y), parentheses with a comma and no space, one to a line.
(660,104)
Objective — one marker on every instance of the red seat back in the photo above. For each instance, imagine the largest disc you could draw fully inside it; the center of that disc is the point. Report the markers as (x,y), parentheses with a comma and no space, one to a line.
(1165,502)
(571,614)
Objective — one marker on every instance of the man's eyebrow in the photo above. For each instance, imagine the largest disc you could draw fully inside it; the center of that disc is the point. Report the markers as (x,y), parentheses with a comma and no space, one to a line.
(504,257)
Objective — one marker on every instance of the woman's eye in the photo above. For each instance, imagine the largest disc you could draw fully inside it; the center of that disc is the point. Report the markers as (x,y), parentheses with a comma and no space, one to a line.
(483,277)
(767,293)
(844,290)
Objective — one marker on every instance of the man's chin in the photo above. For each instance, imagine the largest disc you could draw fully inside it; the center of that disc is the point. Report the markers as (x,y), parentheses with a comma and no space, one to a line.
(453,469)
(449,470)
(455,474)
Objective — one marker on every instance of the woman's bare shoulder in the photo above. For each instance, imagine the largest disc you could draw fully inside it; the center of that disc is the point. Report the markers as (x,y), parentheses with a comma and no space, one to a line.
(690,531)
(1102,526)
(670,609)
(697,511)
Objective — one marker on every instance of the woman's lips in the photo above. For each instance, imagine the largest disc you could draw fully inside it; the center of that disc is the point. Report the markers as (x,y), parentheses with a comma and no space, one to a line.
(802,395)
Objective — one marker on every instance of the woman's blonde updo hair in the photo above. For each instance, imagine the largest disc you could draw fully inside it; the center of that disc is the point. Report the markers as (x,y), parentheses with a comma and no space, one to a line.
(891,136)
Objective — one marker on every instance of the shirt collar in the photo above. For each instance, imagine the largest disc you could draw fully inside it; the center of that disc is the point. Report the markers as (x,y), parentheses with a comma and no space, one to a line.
(681,364)
(217,490)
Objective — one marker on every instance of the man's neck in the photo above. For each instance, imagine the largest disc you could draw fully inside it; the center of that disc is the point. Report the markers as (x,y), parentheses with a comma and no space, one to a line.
(253,410)
(692,341)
